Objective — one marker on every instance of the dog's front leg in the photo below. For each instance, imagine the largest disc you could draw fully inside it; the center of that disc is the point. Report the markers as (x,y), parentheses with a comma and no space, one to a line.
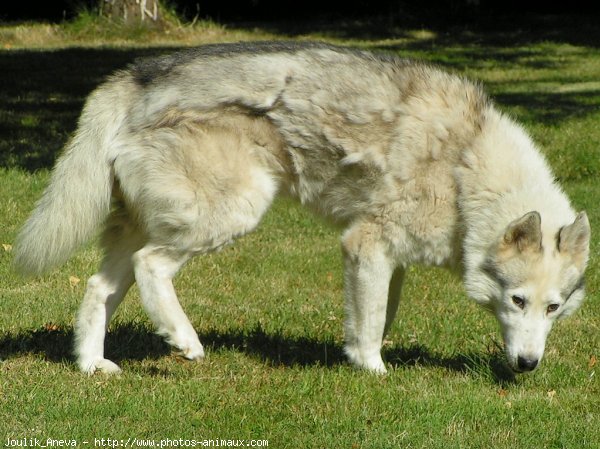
(368,270)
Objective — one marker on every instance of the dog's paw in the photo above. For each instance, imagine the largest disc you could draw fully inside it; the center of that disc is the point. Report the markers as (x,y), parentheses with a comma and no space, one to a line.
(99,365)
(192,352)
(373,363)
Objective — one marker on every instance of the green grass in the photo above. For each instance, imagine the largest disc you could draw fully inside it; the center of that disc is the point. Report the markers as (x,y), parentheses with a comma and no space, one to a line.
(269,309)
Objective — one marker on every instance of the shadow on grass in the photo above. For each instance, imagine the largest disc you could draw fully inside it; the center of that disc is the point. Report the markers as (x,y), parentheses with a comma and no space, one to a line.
(136,343)
(489,366)
(42,95)
(127,342)
(280,350)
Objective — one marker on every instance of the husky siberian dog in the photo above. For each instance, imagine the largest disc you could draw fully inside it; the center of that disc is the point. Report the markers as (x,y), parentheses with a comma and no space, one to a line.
(180,155)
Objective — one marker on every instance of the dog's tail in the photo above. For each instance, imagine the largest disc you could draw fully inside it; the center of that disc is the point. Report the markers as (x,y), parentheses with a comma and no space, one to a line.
(77,199)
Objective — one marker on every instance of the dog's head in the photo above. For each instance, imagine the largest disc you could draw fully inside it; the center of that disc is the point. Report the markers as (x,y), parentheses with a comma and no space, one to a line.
(534,278)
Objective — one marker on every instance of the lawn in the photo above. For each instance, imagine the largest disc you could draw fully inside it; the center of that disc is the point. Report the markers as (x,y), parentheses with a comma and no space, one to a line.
(269,309)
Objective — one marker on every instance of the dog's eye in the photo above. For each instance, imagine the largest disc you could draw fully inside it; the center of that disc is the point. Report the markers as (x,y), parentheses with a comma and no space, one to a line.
(552,308)
(518,301)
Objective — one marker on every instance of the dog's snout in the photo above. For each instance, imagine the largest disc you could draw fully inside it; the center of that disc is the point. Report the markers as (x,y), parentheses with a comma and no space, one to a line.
(526,364)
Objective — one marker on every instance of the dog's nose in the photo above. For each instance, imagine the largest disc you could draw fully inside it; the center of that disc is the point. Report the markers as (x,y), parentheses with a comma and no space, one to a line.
(526,364)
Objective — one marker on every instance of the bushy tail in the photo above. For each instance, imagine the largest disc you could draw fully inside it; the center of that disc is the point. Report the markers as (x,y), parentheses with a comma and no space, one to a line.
(77,200)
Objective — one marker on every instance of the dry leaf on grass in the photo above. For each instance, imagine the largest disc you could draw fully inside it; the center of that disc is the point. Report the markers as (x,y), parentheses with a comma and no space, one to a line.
(74,281)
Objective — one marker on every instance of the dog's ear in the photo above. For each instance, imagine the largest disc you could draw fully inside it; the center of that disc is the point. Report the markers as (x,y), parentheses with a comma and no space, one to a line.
(574,239)
(525,233)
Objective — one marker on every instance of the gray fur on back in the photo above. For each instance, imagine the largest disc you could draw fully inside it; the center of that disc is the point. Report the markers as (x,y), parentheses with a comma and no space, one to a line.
(150,69)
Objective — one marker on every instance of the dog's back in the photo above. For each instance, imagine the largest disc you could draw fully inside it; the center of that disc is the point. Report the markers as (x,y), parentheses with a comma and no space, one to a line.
(350,120)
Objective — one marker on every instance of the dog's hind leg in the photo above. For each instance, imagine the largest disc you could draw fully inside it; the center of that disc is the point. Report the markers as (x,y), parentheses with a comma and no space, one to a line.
(368,271)
(195,185)
(104,292)
(155,266)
